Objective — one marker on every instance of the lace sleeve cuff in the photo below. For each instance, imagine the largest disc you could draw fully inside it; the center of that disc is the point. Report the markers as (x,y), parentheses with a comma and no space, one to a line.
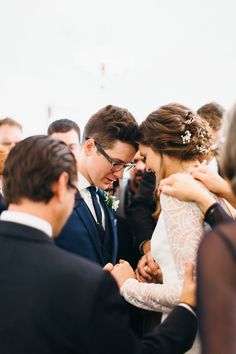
(150,296)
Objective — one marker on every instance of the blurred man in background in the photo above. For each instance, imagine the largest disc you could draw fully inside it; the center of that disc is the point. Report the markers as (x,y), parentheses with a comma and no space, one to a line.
(67,131)
(10,132)
(213,113)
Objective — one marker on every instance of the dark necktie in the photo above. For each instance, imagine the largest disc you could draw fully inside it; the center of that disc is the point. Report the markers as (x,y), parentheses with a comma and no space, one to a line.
(96,206)
(105,237)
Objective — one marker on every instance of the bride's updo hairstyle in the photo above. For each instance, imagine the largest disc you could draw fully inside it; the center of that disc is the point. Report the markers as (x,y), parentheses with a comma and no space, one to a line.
(176,131)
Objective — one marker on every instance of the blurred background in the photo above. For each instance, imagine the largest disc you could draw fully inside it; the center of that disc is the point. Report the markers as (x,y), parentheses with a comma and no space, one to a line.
(68,58)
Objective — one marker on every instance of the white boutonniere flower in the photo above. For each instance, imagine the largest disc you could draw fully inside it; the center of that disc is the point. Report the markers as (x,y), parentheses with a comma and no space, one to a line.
(111,201)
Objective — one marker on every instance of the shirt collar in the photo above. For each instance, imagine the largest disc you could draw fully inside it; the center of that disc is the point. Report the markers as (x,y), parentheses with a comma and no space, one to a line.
(83,183)
(28,220)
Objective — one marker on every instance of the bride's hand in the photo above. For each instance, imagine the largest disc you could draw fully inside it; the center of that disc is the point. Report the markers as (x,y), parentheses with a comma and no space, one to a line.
(148,270)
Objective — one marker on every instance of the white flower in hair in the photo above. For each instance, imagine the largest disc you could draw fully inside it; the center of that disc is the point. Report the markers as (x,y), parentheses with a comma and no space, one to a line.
(186,137)
(202,149)
(203,134)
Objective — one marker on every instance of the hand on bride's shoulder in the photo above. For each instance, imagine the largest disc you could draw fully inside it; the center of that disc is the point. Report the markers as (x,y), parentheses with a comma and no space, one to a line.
(179,185)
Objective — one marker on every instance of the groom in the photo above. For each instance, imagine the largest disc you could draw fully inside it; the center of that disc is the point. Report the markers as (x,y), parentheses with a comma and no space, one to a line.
(109,145)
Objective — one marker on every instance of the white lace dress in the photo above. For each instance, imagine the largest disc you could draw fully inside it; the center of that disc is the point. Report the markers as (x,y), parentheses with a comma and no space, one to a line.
(174,242)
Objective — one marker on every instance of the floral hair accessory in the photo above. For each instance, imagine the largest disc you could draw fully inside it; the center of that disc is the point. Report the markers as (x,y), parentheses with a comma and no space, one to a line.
(202,148)
(203,134)
(111,201)
(186,137)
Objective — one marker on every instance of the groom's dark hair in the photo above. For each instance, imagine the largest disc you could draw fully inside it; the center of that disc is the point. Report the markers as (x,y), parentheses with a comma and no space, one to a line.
(112,123)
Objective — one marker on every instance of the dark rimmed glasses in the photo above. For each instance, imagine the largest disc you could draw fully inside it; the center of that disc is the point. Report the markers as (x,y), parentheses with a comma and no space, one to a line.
(115,166)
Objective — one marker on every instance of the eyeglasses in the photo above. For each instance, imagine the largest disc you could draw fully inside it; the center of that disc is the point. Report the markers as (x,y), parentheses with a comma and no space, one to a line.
(115,166)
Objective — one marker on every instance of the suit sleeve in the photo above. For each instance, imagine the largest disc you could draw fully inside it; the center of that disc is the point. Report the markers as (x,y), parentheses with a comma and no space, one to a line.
(109,330)
(216,215)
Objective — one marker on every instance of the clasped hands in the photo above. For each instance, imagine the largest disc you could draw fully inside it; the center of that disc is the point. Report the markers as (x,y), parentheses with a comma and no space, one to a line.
(147,270)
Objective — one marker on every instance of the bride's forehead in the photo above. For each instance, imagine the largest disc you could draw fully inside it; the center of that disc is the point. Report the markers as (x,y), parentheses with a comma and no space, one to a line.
(147,150)
(143,149)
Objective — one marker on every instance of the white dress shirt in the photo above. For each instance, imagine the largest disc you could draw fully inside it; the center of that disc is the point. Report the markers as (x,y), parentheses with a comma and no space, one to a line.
(83,185)
(28,220)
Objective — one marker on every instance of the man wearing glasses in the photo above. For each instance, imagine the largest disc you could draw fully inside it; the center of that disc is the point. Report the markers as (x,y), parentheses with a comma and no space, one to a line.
(109,146)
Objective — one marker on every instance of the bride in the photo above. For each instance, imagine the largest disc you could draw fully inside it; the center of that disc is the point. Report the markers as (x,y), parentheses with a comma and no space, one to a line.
(172,139)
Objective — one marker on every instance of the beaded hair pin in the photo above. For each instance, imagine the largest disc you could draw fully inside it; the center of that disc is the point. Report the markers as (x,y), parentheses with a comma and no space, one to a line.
(186,137)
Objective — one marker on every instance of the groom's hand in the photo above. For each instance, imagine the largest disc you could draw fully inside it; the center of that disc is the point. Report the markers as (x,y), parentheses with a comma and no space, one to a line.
(109,267)
(122,271)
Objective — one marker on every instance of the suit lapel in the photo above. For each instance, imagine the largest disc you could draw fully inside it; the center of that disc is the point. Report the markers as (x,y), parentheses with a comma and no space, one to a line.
(83,211)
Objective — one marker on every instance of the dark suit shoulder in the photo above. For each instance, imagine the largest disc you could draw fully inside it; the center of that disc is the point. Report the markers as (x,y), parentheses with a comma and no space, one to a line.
(70,262)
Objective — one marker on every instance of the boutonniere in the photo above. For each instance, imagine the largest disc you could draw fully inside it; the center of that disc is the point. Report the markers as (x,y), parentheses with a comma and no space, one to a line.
(111,201)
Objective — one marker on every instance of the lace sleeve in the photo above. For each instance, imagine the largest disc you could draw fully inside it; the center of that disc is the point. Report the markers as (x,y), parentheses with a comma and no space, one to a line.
(150,296)
(183,226)
(184,229)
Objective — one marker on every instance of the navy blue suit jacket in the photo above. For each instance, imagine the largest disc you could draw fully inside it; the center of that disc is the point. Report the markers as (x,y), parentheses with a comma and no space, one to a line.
(80,234)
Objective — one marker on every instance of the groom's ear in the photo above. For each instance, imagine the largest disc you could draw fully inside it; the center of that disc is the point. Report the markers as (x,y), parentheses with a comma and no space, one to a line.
(89,147)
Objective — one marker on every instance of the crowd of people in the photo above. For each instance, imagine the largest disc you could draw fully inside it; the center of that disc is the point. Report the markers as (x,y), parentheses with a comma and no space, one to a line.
(121,241)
